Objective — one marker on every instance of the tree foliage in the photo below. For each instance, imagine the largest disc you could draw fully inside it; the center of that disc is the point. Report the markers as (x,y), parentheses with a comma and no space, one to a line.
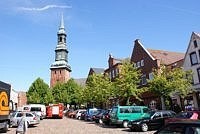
(126,84)
(98,89)
(39,92)
(69,92)
(166,82)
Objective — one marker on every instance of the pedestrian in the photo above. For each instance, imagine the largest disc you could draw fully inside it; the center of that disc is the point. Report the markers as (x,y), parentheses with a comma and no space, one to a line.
(22,125)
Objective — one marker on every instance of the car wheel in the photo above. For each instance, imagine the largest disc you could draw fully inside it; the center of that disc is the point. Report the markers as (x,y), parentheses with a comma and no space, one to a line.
(144,127)
(79,117)
(125,124)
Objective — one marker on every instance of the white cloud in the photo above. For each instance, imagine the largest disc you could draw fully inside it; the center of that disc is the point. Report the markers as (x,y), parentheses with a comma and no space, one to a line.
(43,8)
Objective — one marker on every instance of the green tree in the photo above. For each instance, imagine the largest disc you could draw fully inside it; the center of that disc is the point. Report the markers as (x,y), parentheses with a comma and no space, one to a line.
(73,91)
(58,92)
(39,92)
(98,89)
(69,92)
(126,84)
(166,82)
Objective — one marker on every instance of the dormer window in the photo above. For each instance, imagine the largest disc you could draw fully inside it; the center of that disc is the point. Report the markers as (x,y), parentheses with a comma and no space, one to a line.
(195,43)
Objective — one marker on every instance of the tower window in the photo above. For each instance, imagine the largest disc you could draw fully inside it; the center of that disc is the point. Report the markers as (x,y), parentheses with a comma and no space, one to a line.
(55,72)
(60,39)
(60,71)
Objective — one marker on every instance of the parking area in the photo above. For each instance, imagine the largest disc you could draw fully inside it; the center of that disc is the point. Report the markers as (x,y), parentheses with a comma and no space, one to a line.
(73,126)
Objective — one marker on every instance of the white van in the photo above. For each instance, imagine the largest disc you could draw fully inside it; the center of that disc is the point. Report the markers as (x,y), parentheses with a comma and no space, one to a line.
(39,109)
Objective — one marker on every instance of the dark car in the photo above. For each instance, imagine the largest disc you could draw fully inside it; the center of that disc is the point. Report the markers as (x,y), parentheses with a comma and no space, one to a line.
(155,120)
(90,113)
(185,115)
(180,127)
(97,117)
(106,117)
(83,115)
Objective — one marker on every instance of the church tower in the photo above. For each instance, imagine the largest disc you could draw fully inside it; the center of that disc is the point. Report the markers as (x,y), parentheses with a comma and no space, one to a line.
(60,70)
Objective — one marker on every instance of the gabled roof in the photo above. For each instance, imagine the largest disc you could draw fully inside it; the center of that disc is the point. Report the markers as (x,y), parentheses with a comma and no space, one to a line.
(194,34)
(80,81)
(166,57)
(98,70)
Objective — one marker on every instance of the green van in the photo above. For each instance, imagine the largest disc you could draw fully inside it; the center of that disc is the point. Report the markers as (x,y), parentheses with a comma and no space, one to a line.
(121,115)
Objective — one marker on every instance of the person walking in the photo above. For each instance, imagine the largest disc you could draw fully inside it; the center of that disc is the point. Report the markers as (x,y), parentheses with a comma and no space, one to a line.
(22,125)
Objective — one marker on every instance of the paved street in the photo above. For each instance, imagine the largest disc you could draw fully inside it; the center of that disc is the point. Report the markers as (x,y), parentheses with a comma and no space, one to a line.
(72,126)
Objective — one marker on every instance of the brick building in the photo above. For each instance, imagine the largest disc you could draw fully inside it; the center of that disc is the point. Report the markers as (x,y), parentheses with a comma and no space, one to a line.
(149,59)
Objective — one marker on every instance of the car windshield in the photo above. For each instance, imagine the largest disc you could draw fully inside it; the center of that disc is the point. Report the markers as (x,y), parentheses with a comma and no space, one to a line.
(151,113)
(184,115)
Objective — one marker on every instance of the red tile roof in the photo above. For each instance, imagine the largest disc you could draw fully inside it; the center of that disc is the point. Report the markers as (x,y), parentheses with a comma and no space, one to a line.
(166,57)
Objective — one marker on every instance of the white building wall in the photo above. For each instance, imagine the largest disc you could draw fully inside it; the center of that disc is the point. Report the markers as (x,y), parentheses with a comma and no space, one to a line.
(14,97)
(188,66)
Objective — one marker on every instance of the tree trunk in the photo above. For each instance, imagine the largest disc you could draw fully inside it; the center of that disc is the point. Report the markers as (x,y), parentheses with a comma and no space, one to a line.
(163,103)
(127,101)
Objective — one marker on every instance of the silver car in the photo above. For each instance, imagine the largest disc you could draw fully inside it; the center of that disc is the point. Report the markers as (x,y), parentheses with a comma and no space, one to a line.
(32,118)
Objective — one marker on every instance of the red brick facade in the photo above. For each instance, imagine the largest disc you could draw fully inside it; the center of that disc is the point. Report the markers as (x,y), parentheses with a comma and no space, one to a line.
(148,60)
(61,75)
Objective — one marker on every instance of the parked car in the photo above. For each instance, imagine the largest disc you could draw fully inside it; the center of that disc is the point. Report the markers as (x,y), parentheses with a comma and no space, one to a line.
(32,118)
(97,117)
(155,120)
(180,127)
(83,115)
(106,117)
(79,112)
(90,113)
(72,114)
(121,115)
(186,115)
(39,109)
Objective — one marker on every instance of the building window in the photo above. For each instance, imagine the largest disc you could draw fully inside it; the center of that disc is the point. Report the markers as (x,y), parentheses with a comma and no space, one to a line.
(138,64)
(55,72)
(135,65)
(143,80)
(113,73)
(110,75)
(198,72)
(116,71)
(60,71)
(195,43)
(142,63)
(150,76)
(193,58)
(60,39)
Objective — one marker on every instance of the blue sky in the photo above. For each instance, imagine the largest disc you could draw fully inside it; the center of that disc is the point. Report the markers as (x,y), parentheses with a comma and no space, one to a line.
(95,28)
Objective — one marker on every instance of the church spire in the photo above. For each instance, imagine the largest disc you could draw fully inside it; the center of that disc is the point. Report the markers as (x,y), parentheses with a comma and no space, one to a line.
(62,22)
(62,27)
(60,69)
